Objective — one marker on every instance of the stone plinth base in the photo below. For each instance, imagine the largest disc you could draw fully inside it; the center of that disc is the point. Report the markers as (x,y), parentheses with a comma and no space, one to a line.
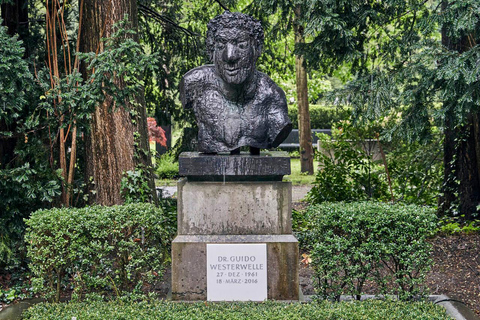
(234,208)
(268,166)
(189,264)
(236,203)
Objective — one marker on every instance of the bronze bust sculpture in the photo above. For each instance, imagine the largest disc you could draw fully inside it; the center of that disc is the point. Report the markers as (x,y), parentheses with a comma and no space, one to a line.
(235,105)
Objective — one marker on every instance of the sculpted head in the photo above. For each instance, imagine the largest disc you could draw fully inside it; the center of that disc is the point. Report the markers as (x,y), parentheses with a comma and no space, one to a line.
(234,43)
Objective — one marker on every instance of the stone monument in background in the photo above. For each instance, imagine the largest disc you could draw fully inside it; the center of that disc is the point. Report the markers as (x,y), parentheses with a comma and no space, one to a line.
(235,238)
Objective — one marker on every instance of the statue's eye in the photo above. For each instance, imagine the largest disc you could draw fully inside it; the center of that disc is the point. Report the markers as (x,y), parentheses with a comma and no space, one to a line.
(243,44)
(220,45)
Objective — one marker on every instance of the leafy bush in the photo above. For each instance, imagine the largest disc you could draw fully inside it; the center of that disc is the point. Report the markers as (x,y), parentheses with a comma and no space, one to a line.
(347,171)
(416,170)
(106,250)
(25,184)
(167,167)
(135,186)
(15,82)
(120,309)
(351,167)
(455,226)
(352,243)
(22,190)
(321,117)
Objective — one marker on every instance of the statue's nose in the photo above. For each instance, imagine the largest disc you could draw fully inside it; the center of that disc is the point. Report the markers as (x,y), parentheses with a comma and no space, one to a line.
(231,53)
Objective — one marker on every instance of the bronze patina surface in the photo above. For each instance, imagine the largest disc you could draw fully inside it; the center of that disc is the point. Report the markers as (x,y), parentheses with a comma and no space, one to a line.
(235,105)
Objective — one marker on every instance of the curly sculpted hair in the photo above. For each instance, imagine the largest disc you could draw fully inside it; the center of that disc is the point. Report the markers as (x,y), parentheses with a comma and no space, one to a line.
(231,20)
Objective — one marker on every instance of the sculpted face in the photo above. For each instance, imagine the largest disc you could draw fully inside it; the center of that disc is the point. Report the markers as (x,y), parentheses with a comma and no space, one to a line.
(234,55)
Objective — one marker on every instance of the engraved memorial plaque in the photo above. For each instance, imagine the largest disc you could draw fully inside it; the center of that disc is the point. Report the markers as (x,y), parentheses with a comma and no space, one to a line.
(236,272)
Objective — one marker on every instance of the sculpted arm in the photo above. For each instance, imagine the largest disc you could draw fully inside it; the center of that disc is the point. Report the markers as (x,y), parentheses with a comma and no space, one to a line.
(280,124)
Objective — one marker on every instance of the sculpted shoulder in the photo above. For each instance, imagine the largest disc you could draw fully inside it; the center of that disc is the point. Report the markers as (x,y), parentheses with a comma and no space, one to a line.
(195,82)
(201,73)
(271,91)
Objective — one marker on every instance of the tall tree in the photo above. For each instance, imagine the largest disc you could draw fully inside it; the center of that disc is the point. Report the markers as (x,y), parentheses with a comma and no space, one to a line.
(404,71)
(118,137)
(304,128)
(461,140)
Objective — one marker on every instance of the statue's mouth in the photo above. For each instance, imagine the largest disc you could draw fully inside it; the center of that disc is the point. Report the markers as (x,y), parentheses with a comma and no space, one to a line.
(232,70)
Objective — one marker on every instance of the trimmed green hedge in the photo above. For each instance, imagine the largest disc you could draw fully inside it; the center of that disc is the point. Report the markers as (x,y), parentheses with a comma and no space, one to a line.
(321,117)
(352,243)
(103,250)
(371,309)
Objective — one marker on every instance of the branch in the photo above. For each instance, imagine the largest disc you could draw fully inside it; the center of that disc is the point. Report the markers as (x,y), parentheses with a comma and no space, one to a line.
(19,135)
(222,5)
(149,12)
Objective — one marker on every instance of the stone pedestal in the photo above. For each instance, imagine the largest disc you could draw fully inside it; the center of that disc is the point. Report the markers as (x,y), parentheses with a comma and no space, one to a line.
(241,200)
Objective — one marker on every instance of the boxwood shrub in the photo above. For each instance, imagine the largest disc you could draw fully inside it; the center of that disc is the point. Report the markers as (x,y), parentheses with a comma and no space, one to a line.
(352,243)
(321,116)
(101,250)
(146,310)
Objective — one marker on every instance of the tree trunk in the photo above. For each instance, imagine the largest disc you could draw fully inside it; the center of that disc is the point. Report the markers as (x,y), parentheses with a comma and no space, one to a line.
(461,151)
(111,144)
(304,129)
(469,188)
(447,200)
(461,188)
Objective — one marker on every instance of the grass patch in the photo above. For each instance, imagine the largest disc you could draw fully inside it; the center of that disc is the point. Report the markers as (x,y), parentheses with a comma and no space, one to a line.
(298,178)
(166,182)
(372,309)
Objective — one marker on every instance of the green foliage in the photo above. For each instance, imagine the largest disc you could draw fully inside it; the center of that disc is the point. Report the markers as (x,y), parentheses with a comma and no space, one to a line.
(8,296)
(362,34)
(29,179)
(22,190)
(18,291)
(15,82)
(121,59)
(26,182)
(370,241)
(414,59)
(174,30)
(452,226)
(149,309)
(169,208)
(103,250)
(351,167)
(167,167)
(321,116)
(134,186)
(416,170)
(346,170)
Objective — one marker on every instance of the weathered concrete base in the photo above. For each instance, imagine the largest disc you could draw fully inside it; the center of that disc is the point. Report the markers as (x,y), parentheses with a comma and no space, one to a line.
(189,264)
(234,208)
